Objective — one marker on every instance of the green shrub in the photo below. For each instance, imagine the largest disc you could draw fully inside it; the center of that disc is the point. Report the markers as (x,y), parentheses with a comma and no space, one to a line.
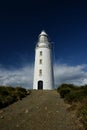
(21,89)
(3,91)
(73,97)
(78,95)
(72,93)
(63,86)
(83,115)
(64,92)
(9,95)
(20,92)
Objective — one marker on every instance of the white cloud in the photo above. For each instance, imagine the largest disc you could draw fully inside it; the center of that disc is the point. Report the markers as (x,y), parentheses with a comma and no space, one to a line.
(63,73)
(17,77)
(70,74)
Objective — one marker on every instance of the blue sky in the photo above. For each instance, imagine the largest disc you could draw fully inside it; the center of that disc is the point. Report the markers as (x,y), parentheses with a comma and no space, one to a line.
(20,24)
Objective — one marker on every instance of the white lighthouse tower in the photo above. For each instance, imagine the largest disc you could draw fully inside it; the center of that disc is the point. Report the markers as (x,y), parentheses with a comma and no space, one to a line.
(43,69)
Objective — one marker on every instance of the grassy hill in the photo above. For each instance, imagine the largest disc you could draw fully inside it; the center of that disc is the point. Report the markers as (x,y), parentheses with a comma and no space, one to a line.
(8,95)
(77,97)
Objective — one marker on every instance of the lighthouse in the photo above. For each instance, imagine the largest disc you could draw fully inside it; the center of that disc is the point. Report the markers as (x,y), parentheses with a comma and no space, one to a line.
(43,67)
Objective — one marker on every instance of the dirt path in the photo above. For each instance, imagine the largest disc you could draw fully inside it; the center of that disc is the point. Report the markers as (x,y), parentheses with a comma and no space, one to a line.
(42,110)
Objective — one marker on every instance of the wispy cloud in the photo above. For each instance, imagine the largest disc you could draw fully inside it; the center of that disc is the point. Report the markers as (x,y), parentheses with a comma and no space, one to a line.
(63,73)
(17,77)
(70,74)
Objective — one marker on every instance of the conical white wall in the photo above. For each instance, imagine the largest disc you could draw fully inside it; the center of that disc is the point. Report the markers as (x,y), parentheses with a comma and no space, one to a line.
(43,69)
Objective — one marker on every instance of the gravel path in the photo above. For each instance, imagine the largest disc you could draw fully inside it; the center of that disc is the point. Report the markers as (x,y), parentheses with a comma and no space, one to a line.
(42,110)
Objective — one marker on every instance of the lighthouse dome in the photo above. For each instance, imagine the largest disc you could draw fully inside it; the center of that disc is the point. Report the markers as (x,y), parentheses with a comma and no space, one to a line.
(43,40)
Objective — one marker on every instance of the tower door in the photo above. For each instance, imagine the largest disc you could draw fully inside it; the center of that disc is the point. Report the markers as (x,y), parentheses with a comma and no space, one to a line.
(40,84)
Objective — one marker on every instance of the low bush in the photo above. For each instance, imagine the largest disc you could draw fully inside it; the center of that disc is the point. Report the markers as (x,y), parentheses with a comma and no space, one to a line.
(64,92)
(20,92)
(64,86)
(83,115)
(76,95)
(8,95)
(72,93)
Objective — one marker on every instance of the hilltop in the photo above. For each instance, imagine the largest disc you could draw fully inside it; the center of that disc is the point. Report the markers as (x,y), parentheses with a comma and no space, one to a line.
(41,110)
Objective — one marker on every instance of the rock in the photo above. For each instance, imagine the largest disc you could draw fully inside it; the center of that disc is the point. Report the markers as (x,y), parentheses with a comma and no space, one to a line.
(1,111)
(17,125)
(2,117)
(37,107)
(57,104)
(45,108)
(26,111)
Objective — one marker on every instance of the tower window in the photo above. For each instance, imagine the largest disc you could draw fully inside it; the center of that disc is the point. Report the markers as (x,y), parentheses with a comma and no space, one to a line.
(40,53)
(40,72)
(40,61)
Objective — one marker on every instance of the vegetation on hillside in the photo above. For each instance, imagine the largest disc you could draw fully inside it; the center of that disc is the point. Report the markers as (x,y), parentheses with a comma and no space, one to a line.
(76,95)
(8,95)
